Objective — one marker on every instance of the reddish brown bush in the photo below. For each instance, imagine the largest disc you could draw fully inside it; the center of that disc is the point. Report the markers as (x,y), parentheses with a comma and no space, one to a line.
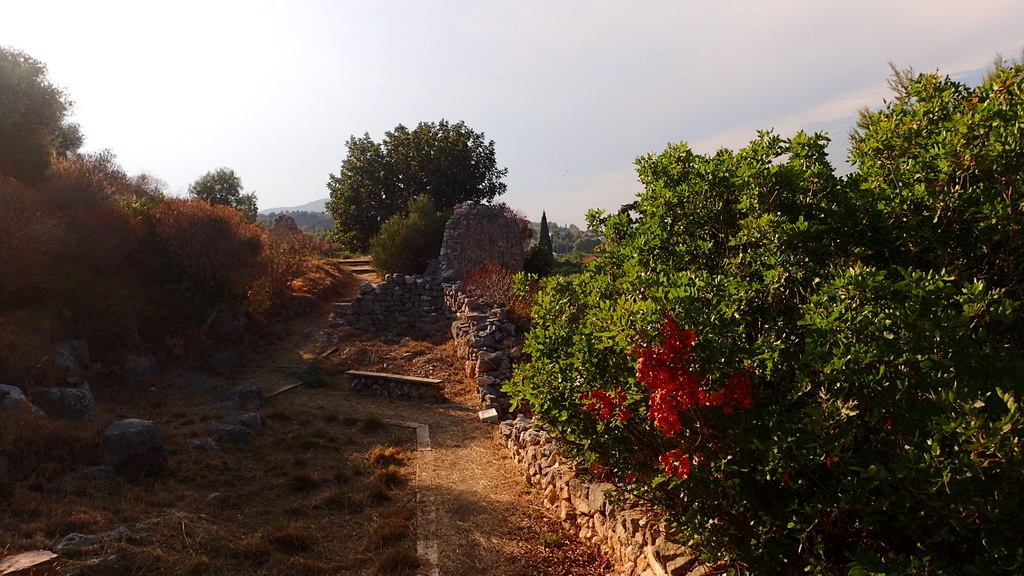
(208,252)
(284,260)
(29,239)
(491,284)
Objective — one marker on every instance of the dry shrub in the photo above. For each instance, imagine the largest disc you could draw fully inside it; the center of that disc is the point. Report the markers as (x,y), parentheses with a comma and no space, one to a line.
(491,284)
(285,260)
(40,451)
(209,253)
(26,340)
(29,239)
(80,183)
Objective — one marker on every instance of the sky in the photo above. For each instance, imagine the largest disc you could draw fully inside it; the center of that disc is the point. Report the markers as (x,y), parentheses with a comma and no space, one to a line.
(570,91)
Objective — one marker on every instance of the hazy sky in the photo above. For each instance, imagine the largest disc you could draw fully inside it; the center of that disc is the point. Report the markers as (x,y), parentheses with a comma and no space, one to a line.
(570,91)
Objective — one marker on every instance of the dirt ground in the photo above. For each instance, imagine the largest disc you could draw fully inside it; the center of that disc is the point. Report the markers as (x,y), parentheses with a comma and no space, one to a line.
(483,515)
(332,483)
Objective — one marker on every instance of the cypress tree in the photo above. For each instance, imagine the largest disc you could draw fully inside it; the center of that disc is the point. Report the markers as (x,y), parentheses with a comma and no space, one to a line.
(545,235)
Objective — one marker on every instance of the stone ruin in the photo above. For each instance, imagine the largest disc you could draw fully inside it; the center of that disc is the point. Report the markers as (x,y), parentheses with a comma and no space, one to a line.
(479,234)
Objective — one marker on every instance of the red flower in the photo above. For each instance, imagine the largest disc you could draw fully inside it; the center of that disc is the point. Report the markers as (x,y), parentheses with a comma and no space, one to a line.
(676,463)
(666,370)
(604,405)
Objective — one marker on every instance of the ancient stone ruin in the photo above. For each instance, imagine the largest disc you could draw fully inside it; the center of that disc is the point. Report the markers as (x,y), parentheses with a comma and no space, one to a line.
(479,234)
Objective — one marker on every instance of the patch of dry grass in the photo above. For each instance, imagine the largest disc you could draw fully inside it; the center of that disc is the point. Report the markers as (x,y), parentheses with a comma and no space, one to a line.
(301,498)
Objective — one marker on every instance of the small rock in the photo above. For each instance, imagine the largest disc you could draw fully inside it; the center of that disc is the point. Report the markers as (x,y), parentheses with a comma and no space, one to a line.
(229,432)
(76,543)
(247,396)
(140,368)
(204,444)
(489,416)
(252,420)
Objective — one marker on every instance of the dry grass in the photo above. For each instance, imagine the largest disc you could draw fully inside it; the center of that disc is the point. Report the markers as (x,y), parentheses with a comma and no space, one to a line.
(297,499)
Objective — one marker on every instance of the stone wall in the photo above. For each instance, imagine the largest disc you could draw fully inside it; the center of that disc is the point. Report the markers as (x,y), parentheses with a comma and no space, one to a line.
(400,303)
(630,535)
(478,234)
(488,340)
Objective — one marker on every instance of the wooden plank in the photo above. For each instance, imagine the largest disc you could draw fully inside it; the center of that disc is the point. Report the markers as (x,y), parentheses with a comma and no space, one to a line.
(397,377)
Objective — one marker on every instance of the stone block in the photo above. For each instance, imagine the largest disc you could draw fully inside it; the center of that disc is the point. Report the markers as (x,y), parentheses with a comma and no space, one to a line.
(490,416)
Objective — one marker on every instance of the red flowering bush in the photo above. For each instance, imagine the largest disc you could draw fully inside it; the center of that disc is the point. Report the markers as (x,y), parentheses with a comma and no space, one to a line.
(836,386)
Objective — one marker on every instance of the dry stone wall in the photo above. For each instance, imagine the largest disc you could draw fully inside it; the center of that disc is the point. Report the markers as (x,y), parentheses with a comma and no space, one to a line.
(400,303)
(630,535)
(479,234)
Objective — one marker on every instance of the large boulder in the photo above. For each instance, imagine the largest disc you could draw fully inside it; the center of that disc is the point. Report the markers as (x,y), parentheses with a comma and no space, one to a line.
(135,448)
(66,403)
(13,400)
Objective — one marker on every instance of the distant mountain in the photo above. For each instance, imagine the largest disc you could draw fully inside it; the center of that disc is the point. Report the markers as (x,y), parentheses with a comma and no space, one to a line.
(314,206)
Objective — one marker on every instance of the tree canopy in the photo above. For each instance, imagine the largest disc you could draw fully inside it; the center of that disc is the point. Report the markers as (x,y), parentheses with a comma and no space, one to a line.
(449,163)
(32,118)
(222,187)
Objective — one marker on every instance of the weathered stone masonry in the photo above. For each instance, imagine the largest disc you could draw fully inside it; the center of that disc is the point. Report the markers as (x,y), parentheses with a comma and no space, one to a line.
(480,234)
(400,303)
(631,536)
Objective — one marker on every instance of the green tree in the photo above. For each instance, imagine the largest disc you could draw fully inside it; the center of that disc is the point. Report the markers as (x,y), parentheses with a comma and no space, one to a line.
(408,242)
(449,163)
(222,187)
(545,234)
(586,245)
(32,118)
(539,258)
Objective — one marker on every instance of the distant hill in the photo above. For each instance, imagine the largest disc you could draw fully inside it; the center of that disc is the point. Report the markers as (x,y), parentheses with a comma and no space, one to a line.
(314,206)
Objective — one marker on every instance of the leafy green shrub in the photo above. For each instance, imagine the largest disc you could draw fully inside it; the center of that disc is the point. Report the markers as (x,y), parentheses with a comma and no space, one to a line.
(407,242)
(810,373)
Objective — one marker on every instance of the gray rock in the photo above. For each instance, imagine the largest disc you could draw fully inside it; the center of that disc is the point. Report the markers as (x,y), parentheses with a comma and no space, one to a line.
(87,480)
(246,397)
(251,420)
(136,448)
(228,325)
(72,358)
(229,432)
(12,400)
(203,444)
(482,381)
(141,368)
(76,543)
(66,403)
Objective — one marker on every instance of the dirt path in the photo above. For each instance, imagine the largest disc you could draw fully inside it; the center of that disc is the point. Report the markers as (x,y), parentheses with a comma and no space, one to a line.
(474,505)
